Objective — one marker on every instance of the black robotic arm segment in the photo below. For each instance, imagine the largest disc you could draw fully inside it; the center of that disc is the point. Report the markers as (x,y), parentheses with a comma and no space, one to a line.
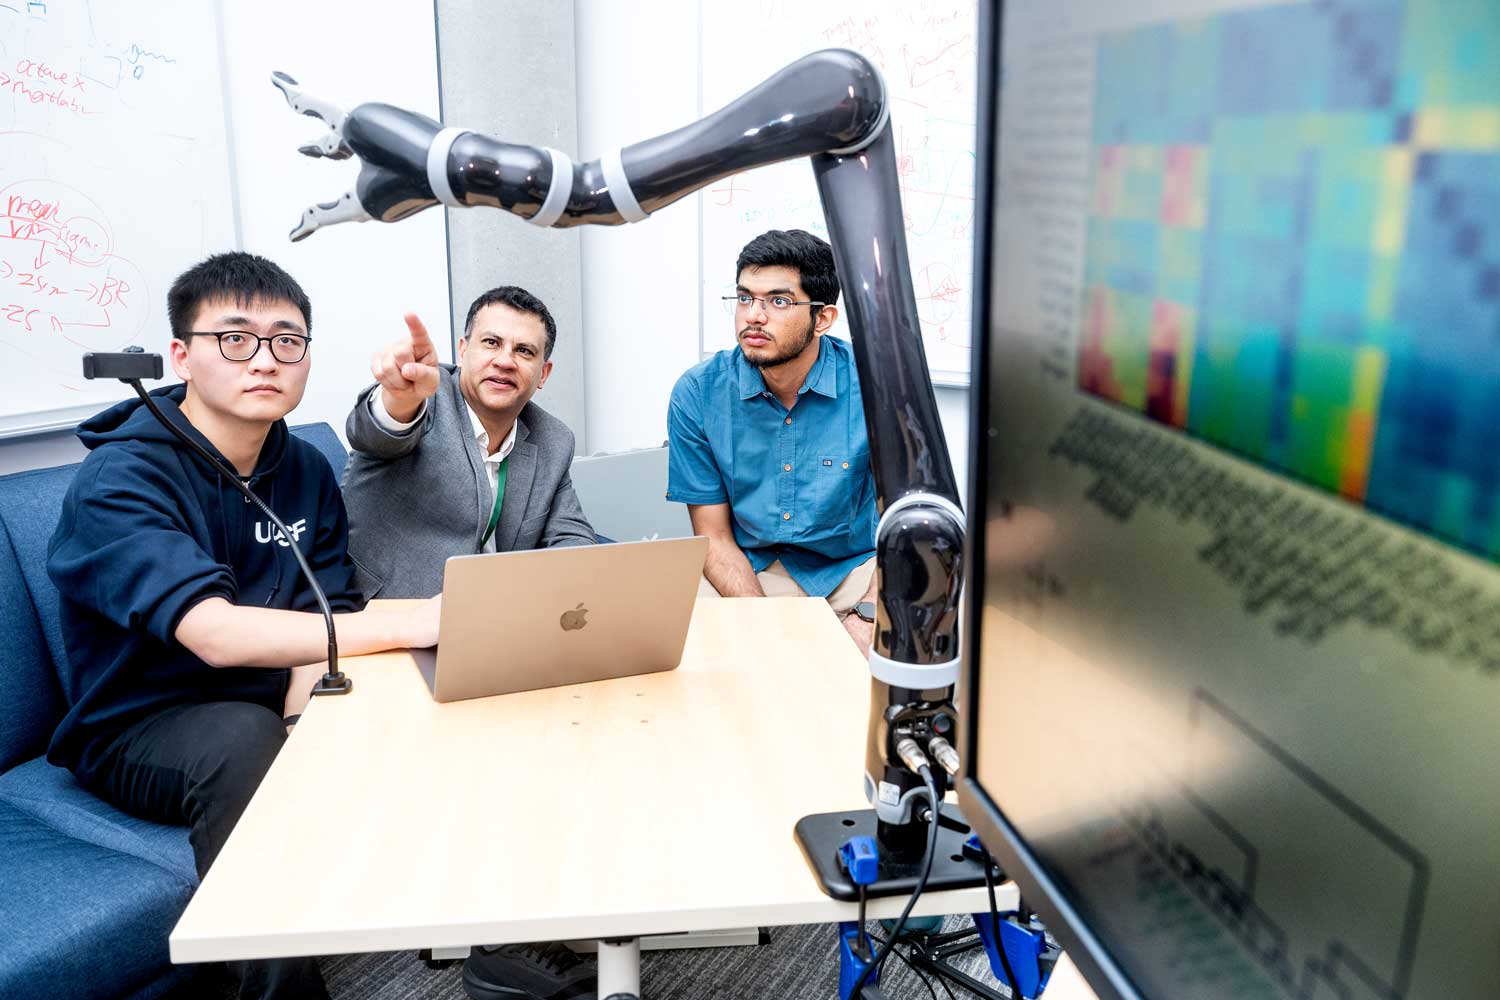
(861,195)
(829,101)
(919,547)
(484,172)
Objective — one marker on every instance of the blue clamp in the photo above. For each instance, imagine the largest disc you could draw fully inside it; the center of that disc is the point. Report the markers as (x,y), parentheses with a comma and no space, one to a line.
(861,858)
(855,955)
(1026,950)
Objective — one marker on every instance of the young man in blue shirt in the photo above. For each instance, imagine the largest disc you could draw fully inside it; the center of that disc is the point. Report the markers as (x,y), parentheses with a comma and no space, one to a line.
(191,634)
(768,445)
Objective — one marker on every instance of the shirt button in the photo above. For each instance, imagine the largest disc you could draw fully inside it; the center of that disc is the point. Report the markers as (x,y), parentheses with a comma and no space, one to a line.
(846,465)
(787,516)
(788,419)
(786,468)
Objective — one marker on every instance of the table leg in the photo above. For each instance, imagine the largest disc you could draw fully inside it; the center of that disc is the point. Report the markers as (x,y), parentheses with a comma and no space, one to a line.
(620,968)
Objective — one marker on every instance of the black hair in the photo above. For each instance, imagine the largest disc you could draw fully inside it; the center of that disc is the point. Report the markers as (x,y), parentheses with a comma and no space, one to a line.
(522,301)
(243,278)
(795,248)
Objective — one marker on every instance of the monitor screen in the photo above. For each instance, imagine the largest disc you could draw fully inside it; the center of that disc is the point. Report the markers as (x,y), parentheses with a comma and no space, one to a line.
(1233,687)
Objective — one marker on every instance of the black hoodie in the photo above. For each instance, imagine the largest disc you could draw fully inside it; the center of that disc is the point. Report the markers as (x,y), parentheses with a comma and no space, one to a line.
(148,529)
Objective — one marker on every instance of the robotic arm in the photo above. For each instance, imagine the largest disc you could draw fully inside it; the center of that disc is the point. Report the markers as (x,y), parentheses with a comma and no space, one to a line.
(830,106)
(410,162)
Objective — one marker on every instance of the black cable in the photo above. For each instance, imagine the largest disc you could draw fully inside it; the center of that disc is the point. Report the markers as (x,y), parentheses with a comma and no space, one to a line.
(926,980)
(915,971)
(942,981)
(234,478)
(989,884)
(932,836)
(862,900)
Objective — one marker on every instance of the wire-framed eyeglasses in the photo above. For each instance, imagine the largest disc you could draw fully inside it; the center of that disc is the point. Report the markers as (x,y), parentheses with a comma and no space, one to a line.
(242,345)
(775,305)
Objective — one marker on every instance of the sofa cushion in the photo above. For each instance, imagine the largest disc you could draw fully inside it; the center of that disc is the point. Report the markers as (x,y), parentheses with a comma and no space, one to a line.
(322,437)
(30,702)
(51,795)
(81,921)
(30,504)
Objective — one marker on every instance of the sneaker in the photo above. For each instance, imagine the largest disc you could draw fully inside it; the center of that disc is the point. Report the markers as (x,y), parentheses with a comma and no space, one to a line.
(528,972)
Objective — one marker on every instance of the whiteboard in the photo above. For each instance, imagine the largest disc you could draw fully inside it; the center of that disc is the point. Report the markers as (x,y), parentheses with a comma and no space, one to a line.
(114,178)
(926,51)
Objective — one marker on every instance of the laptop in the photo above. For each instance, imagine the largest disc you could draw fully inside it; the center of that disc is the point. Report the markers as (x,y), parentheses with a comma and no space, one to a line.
(518,621)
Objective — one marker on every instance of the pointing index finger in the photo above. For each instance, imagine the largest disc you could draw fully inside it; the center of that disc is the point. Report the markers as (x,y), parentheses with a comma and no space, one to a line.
(421,343)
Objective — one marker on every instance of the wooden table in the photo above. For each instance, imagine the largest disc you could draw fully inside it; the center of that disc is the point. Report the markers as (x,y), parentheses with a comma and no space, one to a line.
(630,807)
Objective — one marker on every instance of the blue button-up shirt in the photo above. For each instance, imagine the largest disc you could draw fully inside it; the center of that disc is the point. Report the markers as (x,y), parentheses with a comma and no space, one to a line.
(798,481)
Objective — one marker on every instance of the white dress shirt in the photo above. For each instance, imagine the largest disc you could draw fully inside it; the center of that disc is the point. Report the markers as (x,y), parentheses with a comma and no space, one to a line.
(491,462)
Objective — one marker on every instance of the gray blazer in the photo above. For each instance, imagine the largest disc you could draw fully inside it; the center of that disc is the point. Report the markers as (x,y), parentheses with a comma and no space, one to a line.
(418,497)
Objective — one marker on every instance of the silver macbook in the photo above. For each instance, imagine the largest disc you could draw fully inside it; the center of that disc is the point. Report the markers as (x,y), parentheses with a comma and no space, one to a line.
(517,621)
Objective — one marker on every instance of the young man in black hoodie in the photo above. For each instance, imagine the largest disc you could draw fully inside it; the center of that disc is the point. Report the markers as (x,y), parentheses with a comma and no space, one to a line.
(191,634)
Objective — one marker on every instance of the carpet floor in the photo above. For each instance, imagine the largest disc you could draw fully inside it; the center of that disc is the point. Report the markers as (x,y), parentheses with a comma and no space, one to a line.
(799,963)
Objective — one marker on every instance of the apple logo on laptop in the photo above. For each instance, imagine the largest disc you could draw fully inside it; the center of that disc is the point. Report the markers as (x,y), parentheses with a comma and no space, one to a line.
(575,619)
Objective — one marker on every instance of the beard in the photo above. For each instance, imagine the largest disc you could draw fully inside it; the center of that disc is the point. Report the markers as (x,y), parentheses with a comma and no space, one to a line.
(791,348)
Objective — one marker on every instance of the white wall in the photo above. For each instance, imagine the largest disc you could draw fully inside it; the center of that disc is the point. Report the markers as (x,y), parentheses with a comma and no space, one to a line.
(360,278)
(638,77)
(40,451)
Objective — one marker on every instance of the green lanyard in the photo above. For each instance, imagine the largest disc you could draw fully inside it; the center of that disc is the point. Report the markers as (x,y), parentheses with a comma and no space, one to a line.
(499,499)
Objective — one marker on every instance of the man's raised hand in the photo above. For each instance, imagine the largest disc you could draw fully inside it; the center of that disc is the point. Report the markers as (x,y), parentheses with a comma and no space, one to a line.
(407,371)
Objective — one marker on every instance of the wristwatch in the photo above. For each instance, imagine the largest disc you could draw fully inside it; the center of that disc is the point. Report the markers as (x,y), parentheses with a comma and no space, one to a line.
(865,609)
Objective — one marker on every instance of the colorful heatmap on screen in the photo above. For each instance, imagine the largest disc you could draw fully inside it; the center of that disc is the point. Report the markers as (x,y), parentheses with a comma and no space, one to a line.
(1294,251)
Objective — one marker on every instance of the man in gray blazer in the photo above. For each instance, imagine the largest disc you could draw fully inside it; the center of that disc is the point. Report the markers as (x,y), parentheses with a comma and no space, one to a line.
(453,460)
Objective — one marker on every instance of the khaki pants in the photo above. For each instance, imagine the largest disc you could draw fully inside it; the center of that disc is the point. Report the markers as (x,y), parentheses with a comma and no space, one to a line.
(777,582)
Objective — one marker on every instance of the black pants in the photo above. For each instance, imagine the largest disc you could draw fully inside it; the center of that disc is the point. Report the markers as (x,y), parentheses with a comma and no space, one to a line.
(199,765)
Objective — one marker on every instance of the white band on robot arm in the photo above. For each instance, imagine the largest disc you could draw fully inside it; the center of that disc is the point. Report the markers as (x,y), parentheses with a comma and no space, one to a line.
(925,500)
(619,187)
(916,676)
(560,191)
(437,166)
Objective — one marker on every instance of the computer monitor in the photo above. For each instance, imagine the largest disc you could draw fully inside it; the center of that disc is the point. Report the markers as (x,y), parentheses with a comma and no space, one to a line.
(1233,660)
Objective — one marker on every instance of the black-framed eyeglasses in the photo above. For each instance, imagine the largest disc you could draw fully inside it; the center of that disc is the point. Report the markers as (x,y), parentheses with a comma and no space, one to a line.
(242,345)
(776,305)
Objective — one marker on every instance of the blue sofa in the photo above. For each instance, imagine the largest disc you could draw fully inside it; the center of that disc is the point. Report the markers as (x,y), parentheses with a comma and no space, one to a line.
(88,895)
